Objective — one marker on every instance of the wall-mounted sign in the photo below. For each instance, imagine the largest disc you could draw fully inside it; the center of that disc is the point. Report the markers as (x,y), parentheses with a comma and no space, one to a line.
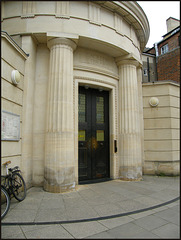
(10,126)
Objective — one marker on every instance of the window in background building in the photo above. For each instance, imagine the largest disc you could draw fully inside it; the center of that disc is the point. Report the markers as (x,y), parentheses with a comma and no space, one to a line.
(164,49)
(145,72)
(179,40)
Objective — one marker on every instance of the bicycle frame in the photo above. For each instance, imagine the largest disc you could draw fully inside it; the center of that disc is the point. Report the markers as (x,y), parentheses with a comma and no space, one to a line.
(7,178)
(6,183)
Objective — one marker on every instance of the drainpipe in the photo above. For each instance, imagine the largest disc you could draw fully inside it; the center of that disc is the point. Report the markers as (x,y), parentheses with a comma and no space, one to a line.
(148,69)
(157,54)
(156,49)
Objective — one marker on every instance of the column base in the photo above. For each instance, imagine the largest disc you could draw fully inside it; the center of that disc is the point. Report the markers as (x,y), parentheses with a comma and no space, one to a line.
(59,188)
(130,173)
(59,180)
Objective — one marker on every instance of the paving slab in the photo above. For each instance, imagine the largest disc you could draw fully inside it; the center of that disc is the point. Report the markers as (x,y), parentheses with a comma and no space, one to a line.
(115,222)
(129,230)
(9,232)
(108,209)
(51,231)
(102,235)
(150,222)
(148,201)
(52,204)
(21,215)
(81,213)
(48,215)
(29,204)
(113,209)
(131,205)
(85,229)
(142,214)
(169,230)
(169,215)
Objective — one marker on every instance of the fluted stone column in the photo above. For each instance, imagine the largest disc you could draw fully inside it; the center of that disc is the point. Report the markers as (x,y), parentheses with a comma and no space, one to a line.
(129,122)
(59,175)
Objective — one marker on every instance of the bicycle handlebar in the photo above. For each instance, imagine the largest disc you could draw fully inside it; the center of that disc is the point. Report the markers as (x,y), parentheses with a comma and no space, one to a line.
(14,169)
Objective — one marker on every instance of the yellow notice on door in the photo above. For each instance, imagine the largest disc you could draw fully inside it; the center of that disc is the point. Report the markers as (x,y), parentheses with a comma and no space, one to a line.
(100,135)
(81,135)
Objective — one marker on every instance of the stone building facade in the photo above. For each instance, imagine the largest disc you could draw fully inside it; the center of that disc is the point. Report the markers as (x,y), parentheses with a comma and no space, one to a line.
(82,108)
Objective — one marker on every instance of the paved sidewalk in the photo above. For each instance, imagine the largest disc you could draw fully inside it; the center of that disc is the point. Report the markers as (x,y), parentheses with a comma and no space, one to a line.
(114,209)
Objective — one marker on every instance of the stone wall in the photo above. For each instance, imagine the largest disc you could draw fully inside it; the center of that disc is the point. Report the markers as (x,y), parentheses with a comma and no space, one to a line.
(12,58)
(161,128)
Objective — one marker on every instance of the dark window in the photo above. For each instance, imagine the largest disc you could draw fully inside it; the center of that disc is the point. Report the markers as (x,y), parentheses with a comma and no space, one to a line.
(164,49)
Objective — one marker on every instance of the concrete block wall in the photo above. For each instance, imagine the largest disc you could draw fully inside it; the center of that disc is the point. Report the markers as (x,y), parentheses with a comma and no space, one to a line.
(161,128)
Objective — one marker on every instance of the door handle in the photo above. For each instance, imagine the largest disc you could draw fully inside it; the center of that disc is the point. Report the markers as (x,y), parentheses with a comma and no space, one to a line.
(89,143)
(115,146)
(94,143)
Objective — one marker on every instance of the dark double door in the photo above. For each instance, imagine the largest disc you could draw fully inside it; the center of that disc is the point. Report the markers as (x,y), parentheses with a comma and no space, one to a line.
(93,134)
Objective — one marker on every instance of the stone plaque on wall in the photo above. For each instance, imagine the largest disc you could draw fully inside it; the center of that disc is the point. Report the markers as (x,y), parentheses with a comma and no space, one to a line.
(10,126)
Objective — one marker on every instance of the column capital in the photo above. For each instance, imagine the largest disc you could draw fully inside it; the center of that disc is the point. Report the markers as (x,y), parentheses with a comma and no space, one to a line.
(61,41)
(128,59)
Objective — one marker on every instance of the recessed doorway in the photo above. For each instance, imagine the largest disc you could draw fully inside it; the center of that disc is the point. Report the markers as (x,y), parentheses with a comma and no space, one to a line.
(93,134)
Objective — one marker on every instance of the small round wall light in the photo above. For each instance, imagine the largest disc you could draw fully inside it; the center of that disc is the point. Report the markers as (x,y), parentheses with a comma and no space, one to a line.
(154,101)
(15,77)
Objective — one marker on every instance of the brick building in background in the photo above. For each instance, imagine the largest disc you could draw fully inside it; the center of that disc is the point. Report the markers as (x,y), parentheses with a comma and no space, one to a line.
(166,54)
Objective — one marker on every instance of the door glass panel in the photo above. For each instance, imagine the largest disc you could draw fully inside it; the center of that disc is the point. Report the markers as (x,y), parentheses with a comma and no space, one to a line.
(99,109)
(82,108)
(81,135)
(100,135)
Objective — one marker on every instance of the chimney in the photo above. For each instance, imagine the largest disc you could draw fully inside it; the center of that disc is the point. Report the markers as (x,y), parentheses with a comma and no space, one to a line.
(172,23)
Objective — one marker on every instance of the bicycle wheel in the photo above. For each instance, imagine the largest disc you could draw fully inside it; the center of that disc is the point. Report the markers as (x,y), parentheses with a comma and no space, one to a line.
(5,202)
(18,186)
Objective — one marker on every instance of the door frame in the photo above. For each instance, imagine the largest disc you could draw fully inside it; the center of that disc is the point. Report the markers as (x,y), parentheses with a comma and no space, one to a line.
(112,87)
(92,126)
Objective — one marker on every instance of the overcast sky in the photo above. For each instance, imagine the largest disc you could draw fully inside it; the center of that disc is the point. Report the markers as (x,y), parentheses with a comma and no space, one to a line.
(157,13)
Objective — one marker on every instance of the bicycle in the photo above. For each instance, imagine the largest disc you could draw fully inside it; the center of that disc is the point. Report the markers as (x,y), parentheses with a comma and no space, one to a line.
(5,202)
(11,184)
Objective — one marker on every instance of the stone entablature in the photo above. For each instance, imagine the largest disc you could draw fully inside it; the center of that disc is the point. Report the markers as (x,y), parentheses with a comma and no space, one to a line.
(124,24)
(85,59)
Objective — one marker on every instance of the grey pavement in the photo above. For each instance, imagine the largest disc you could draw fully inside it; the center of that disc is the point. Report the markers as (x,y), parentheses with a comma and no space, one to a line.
(114,209)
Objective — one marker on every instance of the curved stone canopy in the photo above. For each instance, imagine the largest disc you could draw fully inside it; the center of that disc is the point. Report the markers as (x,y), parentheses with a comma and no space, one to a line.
(133,14)
(113,27)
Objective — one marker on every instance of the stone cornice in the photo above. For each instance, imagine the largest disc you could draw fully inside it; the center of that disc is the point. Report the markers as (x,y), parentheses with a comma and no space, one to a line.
(133,14)
(6,36)
(161,82)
